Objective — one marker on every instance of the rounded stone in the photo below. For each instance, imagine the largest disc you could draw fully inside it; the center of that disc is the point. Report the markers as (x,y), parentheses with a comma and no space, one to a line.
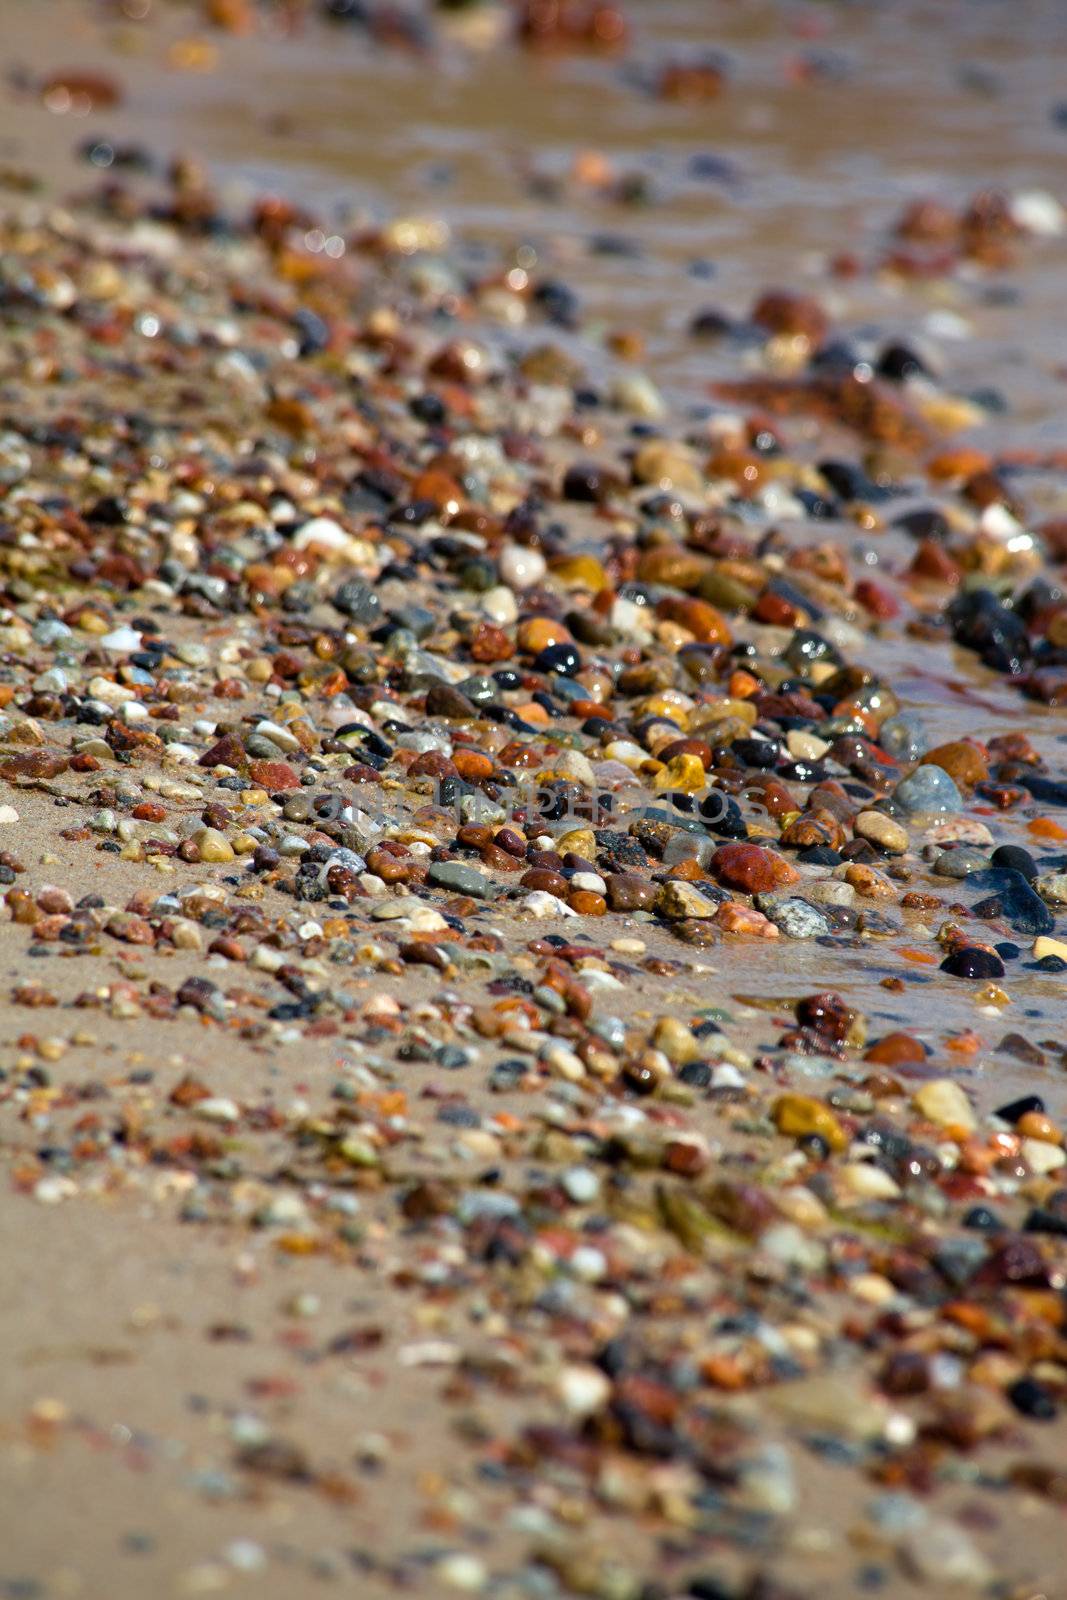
(960,862)
(973,962)
(881,831)
(212,845)
(961,760)
(681,901)
(521,566)
(943,1102)
(903,737)
(799,1116)
(929,789)
(629,892)
(668,466)
(751,869)
(703,621)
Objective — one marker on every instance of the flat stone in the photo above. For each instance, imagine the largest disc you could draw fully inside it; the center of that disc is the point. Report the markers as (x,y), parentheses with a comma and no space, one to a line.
(796,918)
(461,879)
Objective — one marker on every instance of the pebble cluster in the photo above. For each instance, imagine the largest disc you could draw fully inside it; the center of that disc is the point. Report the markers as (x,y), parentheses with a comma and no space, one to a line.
(499,765)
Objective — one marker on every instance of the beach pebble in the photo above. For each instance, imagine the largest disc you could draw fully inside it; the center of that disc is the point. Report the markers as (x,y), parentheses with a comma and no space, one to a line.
(942,1101)
(928,789)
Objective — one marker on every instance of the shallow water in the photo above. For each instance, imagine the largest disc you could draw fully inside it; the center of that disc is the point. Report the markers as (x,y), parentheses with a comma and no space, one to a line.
(831,117)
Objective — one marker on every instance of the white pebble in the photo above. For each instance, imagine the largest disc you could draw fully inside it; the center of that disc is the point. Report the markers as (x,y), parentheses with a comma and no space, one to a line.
(521,566)
(582,1389)
(1038,212)
(543,904)
(120,642)
(217,1109)
(321,530)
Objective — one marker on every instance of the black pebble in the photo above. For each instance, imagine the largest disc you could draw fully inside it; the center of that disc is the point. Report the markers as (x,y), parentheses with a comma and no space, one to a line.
(898,362)
(1015,1109)
(819,855)
(982,1220)
(1041,1221)
(561,658)
(1032,1399)
(971,962)
(708,1588)
(1016,859)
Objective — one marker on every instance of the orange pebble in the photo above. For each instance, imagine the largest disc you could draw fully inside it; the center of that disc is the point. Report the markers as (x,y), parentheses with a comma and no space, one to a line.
(743,685)
(532,712)
(958,463)
(587,903)
(1035,1125)
(975,1160)
(688,870)
(697,616)
(723,1372)
(592,169)
(1045,828)
(894,1048)
(921,958)
(474,766)
(537,633)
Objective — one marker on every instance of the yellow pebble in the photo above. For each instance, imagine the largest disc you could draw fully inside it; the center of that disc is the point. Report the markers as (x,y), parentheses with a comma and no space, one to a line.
(798,1115)
(1049,947)
(213,845)
(676,1041)
(580,840)
(684,772)
(580,572)
(943,1102)
(728,709)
